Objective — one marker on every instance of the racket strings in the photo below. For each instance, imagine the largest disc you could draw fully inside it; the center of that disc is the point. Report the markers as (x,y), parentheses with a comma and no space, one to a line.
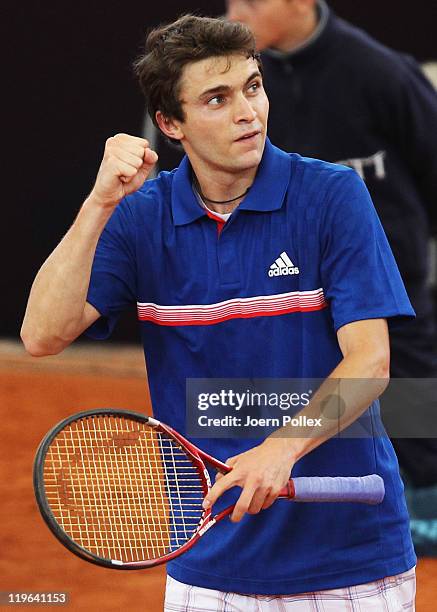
(121,489)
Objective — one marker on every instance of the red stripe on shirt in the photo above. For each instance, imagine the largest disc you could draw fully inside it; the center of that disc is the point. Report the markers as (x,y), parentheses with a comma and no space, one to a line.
(238,308)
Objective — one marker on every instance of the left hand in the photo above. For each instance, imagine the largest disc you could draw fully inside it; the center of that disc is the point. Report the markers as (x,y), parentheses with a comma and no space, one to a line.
(261,472)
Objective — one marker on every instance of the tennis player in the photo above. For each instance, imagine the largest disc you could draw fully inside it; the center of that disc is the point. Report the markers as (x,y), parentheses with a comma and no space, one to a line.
(247,262)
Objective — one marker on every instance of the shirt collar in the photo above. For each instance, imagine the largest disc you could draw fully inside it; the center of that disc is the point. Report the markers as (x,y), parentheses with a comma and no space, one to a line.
(266,193)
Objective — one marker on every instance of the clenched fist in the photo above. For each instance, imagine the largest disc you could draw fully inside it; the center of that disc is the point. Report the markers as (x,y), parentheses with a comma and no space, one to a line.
(126,164)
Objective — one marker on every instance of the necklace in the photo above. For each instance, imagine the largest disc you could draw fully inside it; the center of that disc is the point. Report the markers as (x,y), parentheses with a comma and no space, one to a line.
(219,201)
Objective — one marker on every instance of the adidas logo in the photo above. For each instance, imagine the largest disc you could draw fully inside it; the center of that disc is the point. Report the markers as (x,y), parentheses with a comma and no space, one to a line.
(283,266)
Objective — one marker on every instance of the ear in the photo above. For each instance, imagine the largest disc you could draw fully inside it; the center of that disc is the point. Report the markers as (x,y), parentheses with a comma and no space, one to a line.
(170,127)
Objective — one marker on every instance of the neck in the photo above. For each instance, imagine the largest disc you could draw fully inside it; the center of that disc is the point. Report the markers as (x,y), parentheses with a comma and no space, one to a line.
(221,202)
(305,28)
(215,190)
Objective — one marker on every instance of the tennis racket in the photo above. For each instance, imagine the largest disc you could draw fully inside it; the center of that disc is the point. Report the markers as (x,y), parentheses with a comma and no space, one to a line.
(125,491)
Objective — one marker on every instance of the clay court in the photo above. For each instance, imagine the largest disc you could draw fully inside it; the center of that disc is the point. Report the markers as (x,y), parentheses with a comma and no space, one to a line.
(37,393)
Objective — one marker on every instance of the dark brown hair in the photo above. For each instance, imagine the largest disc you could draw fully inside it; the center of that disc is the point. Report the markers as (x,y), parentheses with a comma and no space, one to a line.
(170,47)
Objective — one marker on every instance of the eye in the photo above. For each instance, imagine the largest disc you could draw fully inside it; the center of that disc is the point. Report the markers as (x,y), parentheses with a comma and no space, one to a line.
(216,100)
(253,87)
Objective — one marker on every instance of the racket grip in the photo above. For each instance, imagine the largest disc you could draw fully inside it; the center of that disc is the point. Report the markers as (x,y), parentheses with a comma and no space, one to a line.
(360,489)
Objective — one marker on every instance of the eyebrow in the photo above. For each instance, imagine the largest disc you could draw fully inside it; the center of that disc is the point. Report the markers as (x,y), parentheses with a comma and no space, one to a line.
(225,88)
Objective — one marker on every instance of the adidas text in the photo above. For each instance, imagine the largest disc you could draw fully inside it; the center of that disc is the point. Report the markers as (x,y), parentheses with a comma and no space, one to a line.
(283,271)
(283,266)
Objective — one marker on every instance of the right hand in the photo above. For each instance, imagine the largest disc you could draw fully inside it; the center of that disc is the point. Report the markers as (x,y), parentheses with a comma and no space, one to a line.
(261,472)
(126,164)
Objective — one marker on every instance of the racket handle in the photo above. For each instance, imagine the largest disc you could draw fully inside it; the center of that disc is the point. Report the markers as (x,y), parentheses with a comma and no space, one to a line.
(360,489)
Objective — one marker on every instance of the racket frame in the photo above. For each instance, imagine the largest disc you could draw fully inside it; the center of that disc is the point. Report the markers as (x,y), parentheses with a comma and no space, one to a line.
(197,456)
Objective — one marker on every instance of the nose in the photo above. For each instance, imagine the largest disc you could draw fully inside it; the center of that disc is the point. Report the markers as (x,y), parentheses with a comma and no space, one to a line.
(244,111)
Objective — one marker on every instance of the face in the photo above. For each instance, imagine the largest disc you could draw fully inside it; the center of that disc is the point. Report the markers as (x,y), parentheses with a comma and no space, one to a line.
(226,111)
(270,20)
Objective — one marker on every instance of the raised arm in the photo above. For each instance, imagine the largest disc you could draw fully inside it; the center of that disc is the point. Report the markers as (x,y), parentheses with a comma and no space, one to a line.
(57,311)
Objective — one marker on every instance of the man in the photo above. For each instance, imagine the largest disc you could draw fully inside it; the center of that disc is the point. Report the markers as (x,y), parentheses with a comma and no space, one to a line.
(338,95)
(193,248)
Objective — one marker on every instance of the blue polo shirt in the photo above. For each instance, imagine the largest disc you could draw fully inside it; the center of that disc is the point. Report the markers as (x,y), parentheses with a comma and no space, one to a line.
(301,256)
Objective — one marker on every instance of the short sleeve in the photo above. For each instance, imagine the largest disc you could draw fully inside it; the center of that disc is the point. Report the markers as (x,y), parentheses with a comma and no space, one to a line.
(113,281)
(360,276)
